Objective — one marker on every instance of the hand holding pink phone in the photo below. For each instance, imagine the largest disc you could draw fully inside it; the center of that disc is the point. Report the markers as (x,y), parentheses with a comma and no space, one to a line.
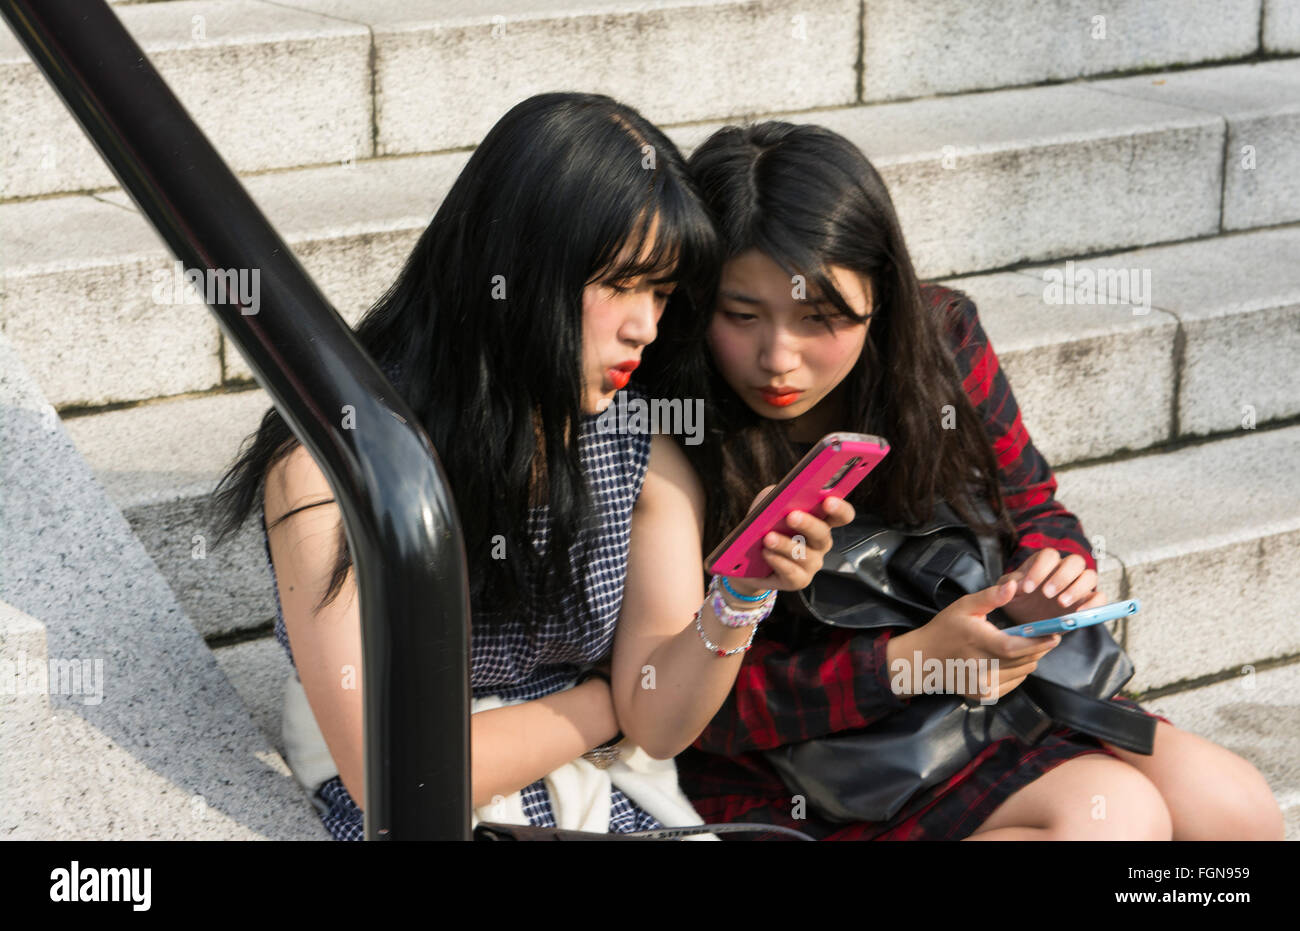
(833,467)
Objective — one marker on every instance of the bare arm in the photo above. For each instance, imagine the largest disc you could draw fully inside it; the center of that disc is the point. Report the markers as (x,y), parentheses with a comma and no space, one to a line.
(663,590)
(511,747)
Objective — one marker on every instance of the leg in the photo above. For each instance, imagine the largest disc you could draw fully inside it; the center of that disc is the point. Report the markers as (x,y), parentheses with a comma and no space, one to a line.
(1091,797)
(1211,793)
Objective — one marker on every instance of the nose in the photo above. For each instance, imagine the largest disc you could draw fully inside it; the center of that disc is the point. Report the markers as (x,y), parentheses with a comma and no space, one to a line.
(641,325)
(779,352)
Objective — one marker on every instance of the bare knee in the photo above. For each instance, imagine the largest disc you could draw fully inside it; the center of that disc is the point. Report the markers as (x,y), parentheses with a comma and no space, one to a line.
(1108,799)
(1249,810)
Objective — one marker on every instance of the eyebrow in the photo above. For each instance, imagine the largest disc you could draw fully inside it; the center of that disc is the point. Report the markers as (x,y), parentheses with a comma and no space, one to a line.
(746,299)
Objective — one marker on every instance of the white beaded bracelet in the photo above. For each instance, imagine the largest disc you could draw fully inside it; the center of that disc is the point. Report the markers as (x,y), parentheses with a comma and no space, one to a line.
(713,647)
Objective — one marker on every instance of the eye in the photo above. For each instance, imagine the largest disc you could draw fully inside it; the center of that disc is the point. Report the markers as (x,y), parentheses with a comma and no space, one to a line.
(738,317)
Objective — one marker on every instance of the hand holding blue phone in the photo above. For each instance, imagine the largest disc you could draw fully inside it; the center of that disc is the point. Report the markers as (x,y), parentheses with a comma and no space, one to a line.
(1069,622)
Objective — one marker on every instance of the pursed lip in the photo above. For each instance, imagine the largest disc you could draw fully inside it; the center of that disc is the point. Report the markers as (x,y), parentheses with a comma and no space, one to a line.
(619,375)
(780,397)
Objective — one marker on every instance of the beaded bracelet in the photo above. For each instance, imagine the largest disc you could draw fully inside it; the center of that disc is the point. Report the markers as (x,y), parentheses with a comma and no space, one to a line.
(737,617)
(731,617)
(713,647)
(731,591)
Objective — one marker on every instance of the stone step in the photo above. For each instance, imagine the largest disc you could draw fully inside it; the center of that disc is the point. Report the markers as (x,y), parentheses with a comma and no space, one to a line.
(272,87)
(1206,536)
(1056,41)
(159,462)
(981,182)
(161,747)
(305,82)
(1149,346)
(278,85)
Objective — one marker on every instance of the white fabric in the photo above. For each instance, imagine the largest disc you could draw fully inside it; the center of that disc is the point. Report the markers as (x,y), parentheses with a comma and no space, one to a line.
(580,792)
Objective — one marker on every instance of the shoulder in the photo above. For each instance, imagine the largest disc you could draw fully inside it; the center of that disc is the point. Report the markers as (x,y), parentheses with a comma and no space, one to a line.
(671,480)
(955,315)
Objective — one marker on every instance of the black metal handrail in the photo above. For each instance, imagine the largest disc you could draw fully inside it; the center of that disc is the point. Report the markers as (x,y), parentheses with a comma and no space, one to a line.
(401,521)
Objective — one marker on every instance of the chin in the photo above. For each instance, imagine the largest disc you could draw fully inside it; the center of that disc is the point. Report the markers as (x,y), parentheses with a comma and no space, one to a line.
(777,413)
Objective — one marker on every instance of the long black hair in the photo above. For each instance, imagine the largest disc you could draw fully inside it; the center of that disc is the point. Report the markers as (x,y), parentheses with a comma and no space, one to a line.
(809,199)
(484,327)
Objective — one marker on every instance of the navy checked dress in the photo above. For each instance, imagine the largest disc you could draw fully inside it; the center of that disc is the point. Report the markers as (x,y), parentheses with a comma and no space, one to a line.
(515,660)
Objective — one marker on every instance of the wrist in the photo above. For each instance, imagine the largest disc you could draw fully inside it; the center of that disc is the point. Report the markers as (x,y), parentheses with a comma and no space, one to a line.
(597,683)
(741,588)
(904,647)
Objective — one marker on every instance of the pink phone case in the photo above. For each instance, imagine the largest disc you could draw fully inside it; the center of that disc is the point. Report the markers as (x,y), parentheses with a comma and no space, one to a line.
(833,467)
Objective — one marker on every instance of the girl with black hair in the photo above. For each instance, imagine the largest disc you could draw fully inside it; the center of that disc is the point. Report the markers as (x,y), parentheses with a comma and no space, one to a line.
(522,310)
(819,324)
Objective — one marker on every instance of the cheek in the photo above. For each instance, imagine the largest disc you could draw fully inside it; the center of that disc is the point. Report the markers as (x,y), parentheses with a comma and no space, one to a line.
(730,350)
(833,355)
(599,324)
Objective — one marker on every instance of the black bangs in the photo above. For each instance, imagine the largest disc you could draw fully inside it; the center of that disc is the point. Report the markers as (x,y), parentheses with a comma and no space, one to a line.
(686,249)
(796,258)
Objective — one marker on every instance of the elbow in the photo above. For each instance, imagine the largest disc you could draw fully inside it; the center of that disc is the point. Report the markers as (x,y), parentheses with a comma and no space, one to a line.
(663,750)
(655,743)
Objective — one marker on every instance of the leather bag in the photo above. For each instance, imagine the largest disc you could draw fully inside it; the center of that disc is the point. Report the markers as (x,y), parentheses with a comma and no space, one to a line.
(879,576)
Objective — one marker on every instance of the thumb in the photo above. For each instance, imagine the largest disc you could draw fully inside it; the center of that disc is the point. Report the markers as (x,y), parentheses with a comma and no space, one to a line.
(757,498)
(995,596)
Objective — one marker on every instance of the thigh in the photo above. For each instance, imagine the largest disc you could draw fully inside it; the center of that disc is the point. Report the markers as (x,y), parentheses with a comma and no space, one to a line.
(1093,796)
(1211,792)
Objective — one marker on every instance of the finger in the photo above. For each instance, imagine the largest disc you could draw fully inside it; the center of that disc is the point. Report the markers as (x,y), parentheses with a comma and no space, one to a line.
(1010,648)
(1005,687)
(987,599)
(1017,664)
(787,574)
(786,546)
(815,533)
(1065,572)
(1079,588)
(837,512)
(1095,600)
(1040,565)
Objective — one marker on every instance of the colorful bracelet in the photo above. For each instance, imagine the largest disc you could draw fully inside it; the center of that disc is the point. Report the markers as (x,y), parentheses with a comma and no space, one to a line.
(713,647)
(731,617)
(731,591)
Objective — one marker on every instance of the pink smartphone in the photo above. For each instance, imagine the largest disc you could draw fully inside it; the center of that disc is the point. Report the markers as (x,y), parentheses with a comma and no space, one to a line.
(834,466)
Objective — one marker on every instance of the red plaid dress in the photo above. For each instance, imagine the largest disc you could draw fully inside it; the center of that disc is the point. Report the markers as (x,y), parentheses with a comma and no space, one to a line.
(842,682)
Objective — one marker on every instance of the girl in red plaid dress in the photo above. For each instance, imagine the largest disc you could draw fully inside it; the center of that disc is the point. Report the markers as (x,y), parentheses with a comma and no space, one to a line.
(820,324)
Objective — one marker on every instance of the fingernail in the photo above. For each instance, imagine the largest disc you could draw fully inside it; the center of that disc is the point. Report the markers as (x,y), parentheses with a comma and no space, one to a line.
(794,519)
(1028,586)
(771,539)
(1049,590)
(1065,600)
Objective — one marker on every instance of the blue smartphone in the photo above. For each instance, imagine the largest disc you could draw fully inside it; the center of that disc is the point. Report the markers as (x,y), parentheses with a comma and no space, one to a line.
(1068,622)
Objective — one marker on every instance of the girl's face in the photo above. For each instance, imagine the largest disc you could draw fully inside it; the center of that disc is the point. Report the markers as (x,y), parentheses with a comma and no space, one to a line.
(773,345)
(619,319)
